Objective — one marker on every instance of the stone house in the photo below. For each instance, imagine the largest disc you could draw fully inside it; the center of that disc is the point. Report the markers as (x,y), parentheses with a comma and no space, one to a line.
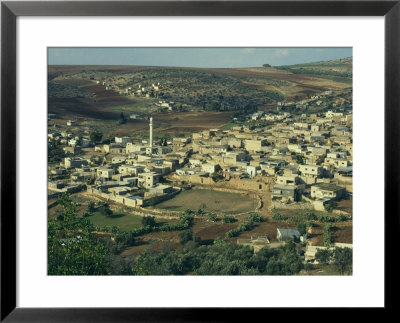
(331,191)
(74,162)
(286,192)
(148,180)
(105,172)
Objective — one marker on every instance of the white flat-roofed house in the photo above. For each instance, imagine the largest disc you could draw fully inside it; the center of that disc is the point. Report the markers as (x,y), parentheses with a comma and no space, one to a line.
(114,149)
(309,173)
(105,172)
(132,148)
(130,169)
(123,140)
(209,168)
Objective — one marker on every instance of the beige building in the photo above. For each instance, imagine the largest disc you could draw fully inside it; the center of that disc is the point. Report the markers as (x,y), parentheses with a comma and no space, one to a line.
(254,144)
(331,191)
(148,180)
(105,172)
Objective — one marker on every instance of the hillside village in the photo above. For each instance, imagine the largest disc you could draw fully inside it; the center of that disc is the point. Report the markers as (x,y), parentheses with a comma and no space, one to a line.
(295,161)
(278,175)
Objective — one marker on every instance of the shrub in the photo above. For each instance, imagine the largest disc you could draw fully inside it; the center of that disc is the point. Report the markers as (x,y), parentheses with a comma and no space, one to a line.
(104,208)
(228,219)
(91,208)
(149,221)
(342,259)
(254,217)
(86,214)
(279,217)
(185,236)
(212,217)
(302,228)
(327,235)
(323,256)
(186,220)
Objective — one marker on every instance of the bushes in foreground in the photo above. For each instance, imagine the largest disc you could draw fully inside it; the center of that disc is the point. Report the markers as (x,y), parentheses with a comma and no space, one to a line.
(219,259)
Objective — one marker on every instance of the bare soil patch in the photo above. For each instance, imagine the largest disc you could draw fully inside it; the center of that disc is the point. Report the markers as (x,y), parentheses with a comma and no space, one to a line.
(345,205)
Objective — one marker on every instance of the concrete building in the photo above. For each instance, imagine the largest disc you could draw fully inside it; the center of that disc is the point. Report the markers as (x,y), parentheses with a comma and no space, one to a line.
(74,162)
(331,191)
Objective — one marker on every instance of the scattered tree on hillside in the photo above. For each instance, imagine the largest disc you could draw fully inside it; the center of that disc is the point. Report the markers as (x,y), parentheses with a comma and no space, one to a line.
(122,118)
(342,259)
(95,136)
(149,221)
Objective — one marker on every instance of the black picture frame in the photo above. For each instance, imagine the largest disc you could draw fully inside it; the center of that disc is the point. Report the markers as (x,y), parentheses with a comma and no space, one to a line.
(10,10)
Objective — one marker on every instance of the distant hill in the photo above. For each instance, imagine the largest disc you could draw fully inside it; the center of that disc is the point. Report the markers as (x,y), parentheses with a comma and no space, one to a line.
(340,68)
(80,89)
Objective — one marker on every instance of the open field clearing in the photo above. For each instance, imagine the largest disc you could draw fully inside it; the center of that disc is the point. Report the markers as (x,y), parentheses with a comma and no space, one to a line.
(345,205)
(124,221)
(154,244)
(208,200)
(171,123)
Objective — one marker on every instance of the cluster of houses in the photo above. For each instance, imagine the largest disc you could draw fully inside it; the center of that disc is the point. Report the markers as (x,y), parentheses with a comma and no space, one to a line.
(302,157)
(308,157)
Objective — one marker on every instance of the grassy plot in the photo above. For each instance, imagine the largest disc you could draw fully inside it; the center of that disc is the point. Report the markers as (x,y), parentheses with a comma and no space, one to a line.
(135,105)
(124,221)
(209,200)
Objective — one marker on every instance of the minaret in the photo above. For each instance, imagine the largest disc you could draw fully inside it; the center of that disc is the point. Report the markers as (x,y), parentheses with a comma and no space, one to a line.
(151,132)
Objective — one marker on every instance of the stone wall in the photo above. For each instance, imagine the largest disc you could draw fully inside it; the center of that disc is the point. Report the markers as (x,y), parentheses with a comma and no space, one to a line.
(262,184)
(292,206)
(159,198)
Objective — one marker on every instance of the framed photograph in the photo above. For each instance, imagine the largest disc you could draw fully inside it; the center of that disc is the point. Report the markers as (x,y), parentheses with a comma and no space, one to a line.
(182,160)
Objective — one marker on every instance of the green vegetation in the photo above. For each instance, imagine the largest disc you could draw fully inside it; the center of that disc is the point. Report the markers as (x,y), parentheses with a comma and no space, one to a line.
(64,90)
(340,258)
(185,236)
(310,217)
(55,153)
(303,70)
(213,217)
(122,118)
(95,136)
(221,258)
(323,256)
(149,221)
(228,219)
(75,249)
(279,217)
(72,247)
(327,235)
(341,68)
(242,227)
(125,222)
(254,217)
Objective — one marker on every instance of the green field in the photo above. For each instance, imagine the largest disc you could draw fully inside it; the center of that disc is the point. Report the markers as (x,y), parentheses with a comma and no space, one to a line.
(209,200)
(124,221)
(136,105)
